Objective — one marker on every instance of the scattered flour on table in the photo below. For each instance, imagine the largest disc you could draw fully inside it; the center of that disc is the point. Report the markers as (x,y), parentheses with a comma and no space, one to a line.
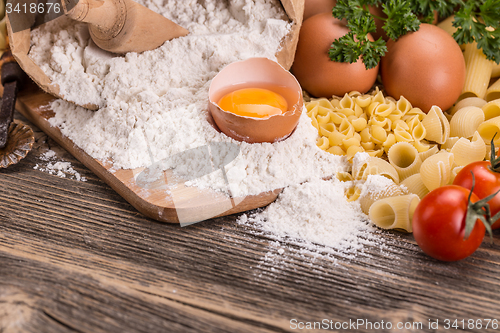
(58,168)
(317,216)
(153,105)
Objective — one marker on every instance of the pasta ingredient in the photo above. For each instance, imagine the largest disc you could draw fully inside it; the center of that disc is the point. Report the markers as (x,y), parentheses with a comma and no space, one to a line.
(317,74)
(487,182)
(371,123)
(442,220)
(426,67)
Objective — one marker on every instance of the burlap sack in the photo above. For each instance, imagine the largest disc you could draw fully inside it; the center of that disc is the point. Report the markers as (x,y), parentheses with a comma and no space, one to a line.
(20,45)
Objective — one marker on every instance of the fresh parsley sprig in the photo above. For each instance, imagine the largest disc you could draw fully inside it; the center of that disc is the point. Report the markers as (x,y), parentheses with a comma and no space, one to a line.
(475,20)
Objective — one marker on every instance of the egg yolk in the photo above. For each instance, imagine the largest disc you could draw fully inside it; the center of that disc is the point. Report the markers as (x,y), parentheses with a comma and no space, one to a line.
(253,102)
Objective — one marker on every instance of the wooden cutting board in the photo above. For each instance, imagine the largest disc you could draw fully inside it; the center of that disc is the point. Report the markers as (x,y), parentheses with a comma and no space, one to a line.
(167,200)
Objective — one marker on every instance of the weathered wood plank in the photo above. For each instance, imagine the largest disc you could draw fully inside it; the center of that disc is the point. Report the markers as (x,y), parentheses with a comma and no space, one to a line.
(76,257)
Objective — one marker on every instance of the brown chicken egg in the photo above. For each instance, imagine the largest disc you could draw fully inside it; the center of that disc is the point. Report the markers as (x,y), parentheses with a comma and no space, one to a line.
(317,74)
(313,7)
(426,67)
(255,100)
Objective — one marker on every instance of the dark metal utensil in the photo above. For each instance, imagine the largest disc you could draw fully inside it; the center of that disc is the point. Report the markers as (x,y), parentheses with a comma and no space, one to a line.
(12,79)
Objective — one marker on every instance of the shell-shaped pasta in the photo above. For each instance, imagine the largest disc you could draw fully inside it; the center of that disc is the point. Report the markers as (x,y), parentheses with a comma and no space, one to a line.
(346,111)
(366,136)
(336,150)
(353,150)
(374,166)
(466,121)
(337,118)
(344,176)
(378,133)
(389,142)
(421,146)
(368,145)
(375,152)
(436,125)
(469,101)
(323,117)
(429,152)
(346,128)
(379,97)
(436,170)
(394,212)
(405,159)
(325,103)
(454,172)
(403,105)
(348,142)
(418,132)
(465,151)
(415,112)
(363,100)
(335,138)
(489,128)
(323,143)
(347,102)
(450,142)
(491,109)
(327,129)
(384,109)
(352,193)
(310,106)
(415,185)
(402,135)
(359,124)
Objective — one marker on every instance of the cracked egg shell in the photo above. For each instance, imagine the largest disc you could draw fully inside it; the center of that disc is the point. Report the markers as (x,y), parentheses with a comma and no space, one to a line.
(256,73)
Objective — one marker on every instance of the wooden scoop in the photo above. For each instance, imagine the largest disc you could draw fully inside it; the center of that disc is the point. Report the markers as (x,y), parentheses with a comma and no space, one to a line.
(122,26)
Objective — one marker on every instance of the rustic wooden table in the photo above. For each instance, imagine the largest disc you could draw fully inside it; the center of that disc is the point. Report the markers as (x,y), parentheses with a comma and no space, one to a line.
(76,257)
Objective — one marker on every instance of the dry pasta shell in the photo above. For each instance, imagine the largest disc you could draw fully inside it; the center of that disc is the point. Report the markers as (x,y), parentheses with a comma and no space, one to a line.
(436,170)
(469,101)
(404,157)
(403,105)
(454,172)
(363,100)
(374,166)
(415,185)
(466,121)
(465,151)
(394,212)
(436,125)
(431,151)
(450,143)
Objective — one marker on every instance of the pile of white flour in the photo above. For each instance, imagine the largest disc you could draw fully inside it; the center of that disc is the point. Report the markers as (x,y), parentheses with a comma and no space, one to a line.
(153,106)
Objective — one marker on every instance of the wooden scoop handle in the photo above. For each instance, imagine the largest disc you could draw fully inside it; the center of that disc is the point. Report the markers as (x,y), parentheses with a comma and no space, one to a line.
(123,25)
(106,16)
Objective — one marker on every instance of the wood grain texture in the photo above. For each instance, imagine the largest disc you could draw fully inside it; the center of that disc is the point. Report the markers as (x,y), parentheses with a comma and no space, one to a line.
(76,257)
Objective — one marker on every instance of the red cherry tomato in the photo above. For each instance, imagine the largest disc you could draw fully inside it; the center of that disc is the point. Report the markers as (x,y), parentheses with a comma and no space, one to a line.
(487,182)
(439,224)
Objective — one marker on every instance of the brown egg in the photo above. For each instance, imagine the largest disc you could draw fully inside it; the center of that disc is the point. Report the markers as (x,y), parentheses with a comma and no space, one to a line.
(319,75)
(313,7)
(426,67)
(256,73)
